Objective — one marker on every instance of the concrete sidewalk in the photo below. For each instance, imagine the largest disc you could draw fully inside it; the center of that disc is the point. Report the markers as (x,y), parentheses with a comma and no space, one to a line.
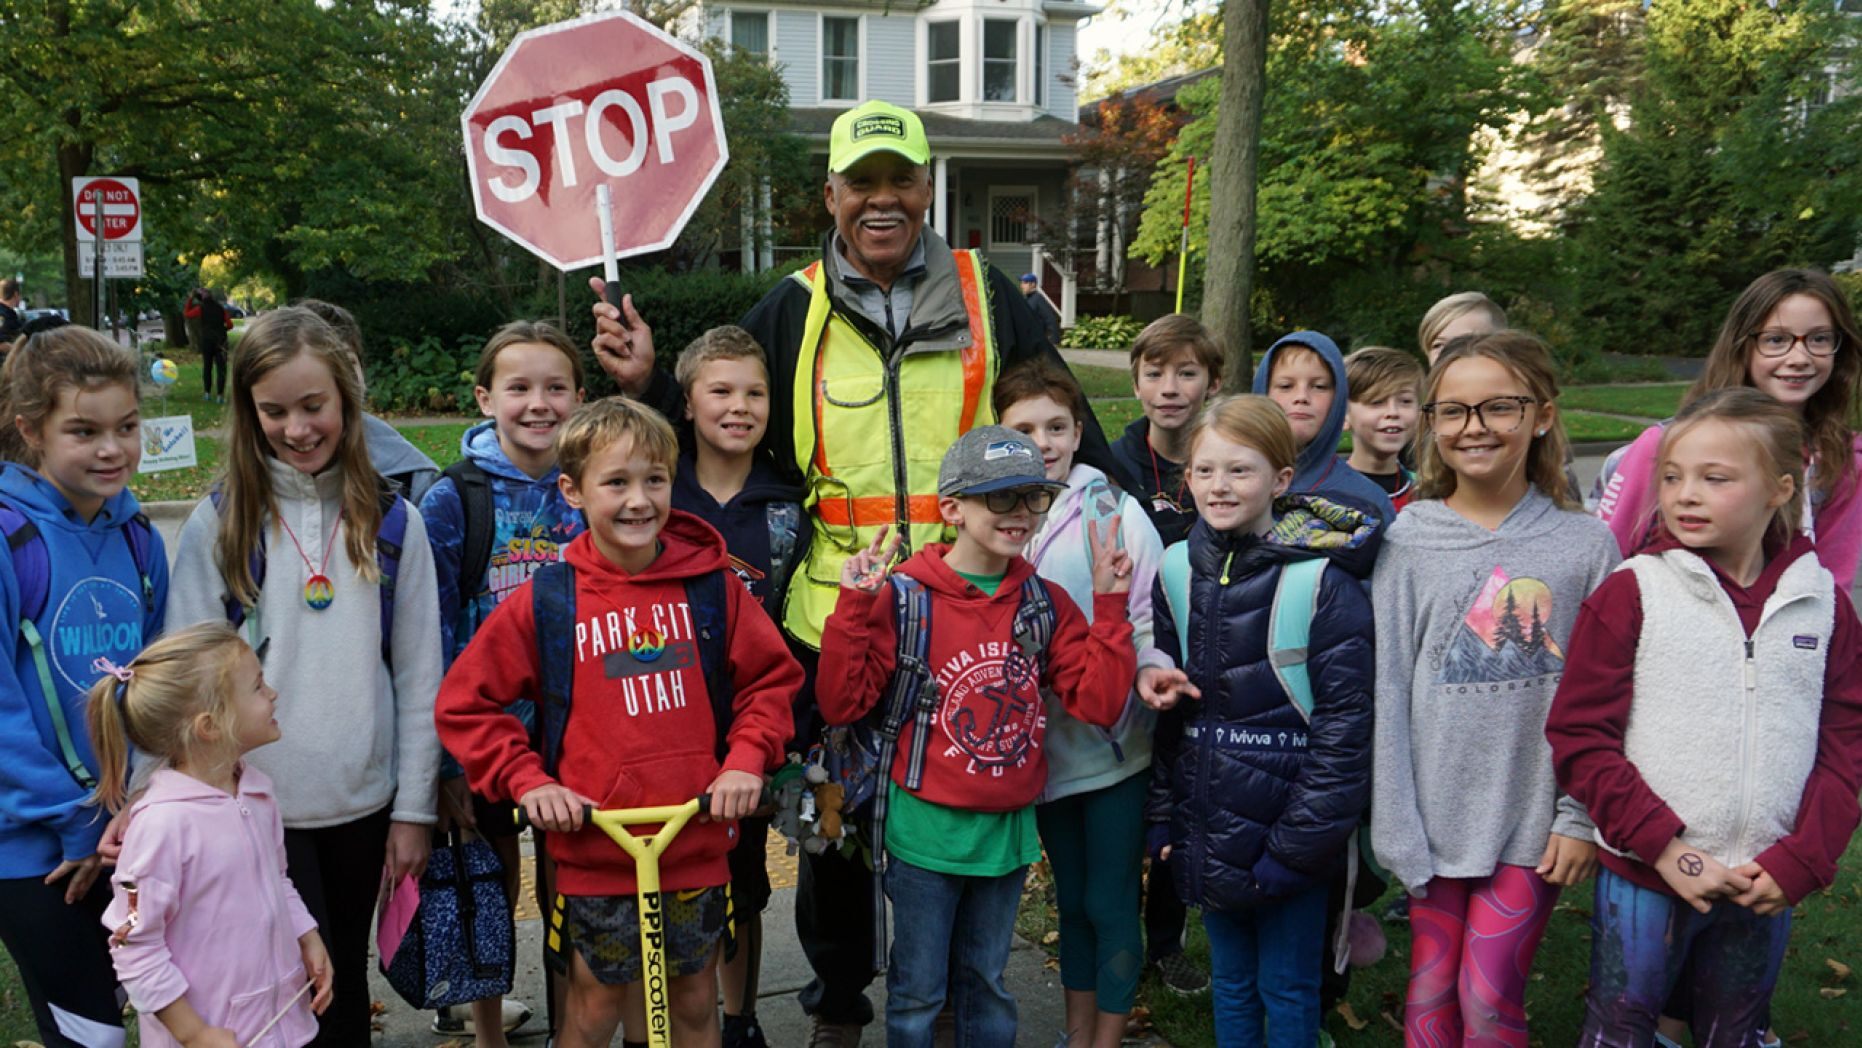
(785,971)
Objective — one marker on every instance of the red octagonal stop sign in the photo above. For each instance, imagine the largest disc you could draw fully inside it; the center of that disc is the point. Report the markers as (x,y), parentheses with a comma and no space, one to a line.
(603,99)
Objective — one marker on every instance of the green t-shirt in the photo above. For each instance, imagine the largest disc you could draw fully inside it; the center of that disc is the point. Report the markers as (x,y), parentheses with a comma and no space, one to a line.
(987,583)
(951,840)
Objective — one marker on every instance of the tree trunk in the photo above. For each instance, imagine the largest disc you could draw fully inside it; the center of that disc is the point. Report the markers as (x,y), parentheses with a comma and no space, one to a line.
(1229,282)
(74,160)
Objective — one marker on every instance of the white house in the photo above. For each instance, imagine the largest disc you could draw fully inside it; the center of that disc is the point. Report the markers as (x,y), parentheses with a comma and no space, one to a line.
(994,81)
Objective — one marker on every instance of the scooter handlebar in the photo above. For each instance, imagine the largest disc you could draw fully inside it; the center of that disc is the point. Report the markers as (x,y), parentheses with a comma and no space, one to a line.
(588,810)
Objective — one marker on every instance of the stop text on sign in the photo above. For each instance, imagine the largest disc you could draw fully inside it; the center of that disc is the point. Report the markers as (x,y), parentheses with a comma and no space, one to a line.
(610,133)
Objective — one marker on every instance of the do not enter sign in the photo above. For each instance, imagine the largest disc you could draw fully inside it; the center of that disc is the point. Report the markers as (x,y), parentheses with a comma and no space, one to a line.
(122,208)
(603,100)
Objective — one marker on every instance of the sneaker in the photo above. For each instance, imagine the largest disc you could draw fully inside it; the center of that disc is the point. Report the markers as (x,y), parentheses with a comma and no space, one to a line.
(1398,911)
(742,1031)
(456,1020)
(824,1034)
(1180,975)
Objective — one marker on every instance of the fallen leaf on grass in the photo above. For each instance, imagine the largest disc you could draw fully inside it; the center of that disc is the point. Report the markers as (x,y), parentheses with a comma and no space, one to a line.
(1841,969)
(1052,964)
(1351,1017)
(1797,1038)
(1830,993)
(1051,937)
(1391,1019)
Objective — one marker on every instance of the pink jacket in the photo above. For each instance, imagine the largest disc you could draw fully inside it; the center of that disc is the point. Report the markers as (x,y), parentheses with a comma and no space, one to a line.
(1628,496)
(217,920)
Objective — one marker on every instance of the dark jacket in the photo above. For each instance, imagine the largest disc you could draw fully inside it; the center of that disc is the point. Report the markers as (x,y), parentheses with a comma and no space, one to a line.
(1161,488)
(1260,804)
(761,525)
(777,321)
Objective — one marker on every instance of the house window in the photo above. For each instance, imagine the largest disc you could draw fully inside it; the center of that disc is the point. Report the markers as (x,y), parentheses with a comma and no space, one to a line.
(1009,216)
(840,59)
(1040,66)
(999,59)
(943,62)
(750,31)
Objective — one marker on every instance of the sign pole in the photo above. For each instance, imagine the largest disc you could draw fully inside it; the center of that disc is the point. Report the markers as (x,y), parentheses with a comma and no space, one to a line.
(610,265)
(97,260)
(1183,246)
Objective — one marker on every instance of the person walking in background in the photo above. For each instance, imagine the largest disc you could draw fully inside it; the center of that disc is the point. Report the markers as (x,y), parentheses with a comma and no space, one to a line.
(1043,309)
(205,309)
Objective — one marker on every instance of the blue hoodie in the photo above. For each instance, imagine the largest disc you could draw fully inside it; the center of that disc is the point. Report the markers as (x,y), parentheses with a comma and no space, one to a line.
(533,526)
(1319,470)
(94,607)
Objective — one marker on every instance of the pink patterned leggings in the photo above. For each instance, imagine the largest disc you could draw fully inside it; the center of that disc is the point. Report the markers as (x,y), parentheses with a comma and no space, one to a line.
(1470,953)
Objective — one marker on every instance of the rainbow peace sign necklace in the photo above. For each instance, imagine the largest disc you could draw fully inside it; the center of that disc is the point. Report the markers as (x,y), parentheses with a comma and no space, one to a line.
(318,590)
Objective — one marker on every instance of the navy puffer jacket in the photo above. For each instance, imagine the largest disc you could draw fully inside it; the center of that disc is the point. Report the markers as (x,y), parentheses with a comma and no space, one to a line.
(1260,804)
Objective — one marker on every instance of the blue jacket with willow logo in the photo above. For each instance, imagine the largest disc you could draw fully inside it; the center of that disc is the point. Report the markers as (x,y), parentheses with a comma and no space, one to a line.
(1259,801)
(94,606)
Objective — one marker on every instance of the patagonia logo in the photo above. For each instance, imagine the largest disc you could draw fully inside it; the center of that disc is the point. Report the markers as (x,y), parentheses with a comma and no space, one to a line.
(1805,641)
(1001,449)
(878,124)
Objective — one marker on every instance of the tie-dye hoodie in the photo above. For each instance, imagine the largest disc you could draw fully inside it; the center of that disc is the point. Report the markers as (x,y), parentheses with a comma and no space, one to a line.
(533,525)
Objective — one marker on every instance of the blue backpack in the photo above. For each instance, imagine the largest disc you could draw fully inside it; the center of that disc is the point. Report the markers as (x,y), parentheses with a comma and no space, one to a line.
(32,566)
(1289,629)
(552,608)
(860,756)
(390,540)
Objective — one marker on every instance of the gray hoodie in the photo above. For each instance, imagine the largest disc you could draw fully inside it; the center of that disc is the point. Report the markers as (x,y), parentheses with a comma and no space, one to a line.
(1471,632)
(357,735)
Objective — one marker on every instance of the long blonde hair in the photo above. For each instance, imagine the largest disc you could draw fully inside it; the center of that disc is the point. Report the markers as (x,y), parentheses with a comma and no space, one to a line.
(178,685)
(271,341)
(1527,358)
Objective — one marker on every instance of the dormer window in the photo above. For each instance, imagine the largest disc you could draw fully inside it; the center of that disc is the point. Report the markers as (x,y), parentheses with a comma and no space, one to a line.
(840,59)
(943,62)
(750,31)
(999,64)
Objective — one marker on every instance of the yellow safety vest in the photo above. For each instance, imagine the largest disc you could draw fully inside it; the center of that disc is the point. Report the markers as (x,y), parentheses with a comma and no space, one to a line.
(874,432)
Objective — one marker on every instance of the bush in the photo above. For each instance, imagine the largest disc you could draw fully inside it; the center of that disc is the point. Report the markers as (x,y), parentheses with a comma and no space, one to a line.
(425,375)
(1102,333)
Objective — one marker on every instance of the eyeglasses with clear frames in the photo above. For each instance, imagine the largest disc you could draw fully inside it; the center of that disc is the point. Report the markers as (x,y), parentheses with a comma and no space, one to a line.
(1036,499)
(1497,414)
(1776,342)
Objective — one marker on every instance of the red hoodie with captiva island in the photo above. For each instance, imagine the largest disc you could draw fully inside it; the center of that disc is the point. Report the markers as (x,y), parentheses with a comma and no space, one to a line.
(985,752)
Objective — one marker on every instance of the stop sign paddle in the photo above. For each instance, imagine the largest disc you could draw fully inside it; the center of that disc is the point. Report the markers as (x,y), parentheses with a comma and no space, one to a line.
(586,111)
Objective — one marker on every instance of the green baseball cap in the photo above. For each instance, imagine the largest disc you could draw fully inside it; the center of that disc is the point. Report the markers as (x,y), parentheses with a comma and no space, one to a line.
(873,126)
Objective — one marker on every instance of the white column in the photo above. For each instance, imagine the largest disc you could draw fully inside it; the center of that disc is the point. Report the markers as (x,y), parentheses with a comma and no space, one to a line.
(940,179)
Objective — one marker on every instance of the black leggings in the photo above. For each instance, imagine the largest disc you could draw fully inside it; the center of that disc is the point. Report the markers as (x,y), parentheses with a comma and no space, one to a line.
(213,369)
(63,956)
(337,871)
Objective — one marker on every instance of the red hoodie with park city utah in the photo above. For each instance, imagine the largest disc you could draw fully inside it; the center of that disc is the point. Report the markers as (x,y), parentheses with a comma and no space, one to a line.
(986,752)
(638,734)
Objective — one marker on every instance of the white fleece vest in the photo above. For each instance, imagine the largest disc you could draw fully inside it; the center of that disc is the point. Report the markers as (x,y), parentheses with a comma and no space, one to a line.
(1725,732)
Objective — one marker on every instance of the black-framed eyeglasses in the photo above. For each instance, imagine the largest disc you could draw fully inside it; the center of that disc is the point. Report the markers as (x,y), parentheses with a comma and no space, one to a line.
(1776,342)
(1497,414)
(1036,499)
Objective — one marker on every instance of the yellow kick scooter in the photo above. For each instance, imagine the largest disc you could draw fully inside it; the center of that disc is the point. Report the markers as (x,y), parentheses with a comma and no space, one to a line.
(646,850)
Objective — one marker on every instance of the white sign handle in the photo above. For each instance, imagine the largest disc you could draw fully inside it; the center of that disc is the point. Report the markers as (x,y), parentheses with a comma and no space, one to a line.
(604,214)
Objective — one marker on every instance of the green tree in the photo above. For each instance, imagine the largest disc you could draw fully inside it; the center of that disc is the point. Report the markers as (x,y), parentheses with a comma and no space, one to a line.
(289,132)
(1370,136)
(1732,160)
(1191,43)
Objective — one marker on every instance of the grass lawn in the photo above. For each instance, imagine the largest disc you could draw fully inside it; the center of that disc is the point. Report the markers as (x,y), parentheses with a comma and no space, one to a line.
(1102,382)
(1654,402)
(1815,1003)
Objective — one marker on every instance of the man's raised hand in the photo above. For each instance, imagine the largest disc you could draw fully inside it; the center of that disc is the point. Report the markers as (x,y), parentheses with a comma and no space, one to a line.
(623,341)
